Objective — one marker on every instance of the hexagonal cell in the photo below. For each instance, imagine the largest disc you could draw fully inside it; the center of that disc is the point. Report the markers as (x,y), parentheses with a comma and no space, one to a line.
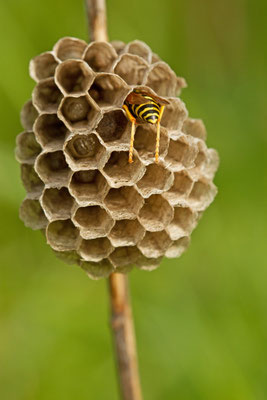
(62,235)
(180,84)
(88,187)
(140,49)
(118,45)
(28,115)
(154,244)
(108,90)
(180,189)
(157,179)
(43,66)
(46,96)
(120,172)
(27,147)
(32,214)
(79,113)
(70,257)
(162,79)
(132,69)
(212,163)
(195,127)
(94,222)
(148,264)
(85,151)
(155,214)
(50,130)
(98,270)
(31,180)
(178,247)
(181,154)
(184,221)
(95,249)
(115,130)
(123,203)
(126,233)
(202,194)
(57,203)
(74,77)
(124,257)
(69,47)
(174,114)
(145,142)
(53,169)
(100,56)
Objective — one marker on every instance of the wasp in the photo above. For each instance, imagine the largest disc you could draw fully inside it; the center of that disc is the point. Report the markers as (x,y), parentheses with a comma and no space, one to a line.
(141,107)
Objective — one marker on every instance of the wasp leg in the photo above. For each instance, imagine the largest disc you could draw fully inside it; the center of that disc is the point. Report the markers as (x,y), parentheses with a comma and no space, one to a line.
(158,134)
(133,121)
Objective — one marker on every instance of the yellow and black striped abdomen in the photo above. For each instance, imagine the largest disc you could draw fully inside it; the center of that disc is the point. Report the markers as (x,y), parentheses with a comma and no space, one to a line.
(147,112)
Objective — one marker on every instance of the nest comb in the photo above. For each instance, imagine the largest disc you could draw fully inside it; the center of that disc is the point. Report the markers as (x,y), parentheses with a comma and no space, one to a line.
(95,208)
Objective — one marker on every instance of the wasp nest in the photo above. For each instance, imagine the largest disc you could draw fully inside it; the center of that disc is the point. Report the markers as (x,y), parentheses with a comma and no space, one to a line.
(96,209)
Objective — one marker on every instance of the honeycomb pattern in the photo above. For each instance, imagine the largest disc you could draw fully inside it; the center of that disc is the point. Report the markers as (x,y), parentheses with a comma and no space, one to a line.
(95,208)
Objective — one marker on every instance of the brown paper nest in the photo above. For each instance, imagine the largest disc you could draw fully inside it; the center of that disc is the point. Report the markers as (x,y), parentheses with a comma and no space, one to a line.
(95,208)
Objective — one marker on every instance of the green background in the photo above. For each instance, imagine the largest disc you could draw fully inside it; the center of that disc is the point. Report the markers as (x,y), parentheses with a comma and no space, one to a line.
(201,320)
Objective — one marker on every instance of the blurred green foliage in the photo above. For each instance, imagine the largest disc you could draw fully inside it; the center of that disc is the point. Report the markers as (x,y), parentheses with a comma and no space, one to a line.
(201,320)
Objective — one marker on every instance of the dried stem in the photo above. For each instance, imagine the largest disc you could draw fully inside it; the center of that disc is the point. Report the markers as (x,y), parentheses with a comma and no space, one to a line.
(121,314)
(97,20)
(124,337)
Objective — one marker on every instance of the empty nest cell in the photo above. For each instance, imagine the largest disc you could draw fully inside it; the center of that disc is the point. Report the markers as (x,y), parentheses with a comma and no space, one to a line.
(28,115)
(174,114)
(53,169)
(195,127)
(123,258)
(31,181)
(156,213)
(183,222)
(157,179)
(123,203)
(94,222)
(145,142)
(148,264)
(27,147)
(118,45)
(178,247)
(202,194)
(95,249)
(79,113)
(74,77)
(46,96)
(57,203)
(62,235)
(97,270)
(120,172)
(140,49)
(88,187)
(180,188)
(114,130)
(43,66)
(85,151)
(181,153)
(68,47)
(49,129)
(100,56)
(132,69)
(126,233)
(108,90)
(154,244)
(32,214)
(162,79)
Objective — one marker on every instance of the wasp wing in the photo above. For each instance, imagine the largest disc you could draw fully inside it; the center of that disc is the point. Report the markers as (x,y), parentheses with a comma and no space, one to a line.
(136,98)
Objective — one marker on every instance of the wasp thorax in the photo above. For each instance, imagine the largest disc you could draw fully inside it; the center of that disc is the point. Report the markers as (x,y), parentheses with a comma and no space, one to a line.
(95,108)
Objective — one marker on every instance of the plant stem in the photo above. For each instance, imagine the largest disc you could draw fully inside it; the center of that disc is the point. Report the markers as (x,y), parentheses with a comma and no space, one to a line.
(97,20)
(121,314)
(124,337)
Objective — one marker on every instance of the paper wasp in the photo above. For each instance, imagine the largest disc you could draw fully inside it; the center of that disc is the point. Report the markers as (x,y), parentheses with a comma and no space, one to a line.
(142,106)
